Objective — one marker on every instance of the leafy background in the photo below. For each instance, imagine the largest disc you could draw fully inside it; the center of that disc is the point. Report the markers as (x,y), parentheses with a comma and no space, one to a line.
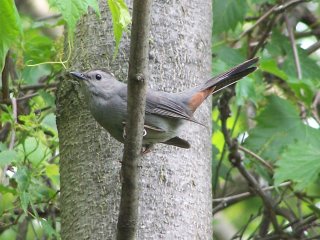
(274,115)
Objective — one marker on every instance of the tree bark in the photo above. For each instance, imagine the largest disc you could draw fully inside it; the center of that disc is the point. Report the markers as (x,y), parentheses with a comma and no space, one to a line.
(175,184)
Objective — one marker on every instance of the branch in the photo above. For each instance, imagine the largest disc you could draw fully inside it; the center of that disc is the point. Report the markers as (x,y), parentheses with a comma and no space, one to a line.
(5,78)
(15,118)
(137,87)
(259,21)
(294,47)
(256,156)
(314,107)
(45,18)
(274,10)
(312,21)
(264,37)
(13,135)
(235,159)
(38,86)
(225,202)
(314,47)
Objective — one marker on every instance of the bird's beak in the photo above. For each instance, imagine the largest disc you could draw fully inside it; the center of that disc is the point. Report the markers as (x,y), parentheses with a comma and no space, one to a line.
(78,75)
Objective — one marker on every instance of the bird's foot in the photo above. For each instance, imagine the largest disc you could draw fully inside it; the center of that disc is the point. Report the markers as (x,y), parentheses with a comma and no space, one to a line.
(146,149)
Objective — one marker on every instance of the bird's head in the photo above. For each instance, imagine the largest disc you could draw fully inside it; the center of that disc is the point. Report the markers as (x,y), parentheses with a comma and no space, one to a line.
(96,81)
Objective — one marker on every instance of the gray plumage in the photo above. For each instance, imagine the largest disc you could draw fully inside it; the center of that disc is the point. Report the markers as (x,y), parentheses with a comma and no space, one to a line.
(165,112)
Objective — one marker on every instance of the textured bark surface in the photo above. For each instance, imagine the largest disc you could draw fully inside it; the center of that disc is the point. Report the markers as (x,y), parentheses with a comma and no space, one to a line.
(175,201)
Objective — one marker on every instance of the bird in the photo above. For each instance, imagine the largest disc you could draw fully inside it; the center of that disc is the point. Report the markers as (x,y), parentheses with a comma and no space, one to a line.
(165,112)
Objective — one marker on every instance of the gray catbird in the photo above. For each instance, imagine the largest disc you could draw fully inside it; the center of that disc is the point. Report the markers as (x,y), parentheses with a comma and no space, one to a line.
(165,112)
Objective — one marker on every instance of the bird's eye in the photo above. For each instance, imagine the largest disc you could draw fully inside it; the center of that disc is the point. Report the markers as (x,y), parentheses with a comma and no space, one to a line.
(98,77)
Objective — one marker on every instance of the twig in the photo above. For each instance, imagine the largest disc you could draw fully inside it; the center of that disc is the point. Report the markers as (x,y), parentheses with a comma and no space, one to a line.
(4,227)
(22,229)
(216,174)
(314,47)
(264,37)
(265,223)
(229,201)
(50,160)
(137,86)
(38,86)
(256,156)
(294,47)
(282,7)
(27,96)
(13,134)
(240,233)
(311,21)
(235,159)
(54,16)
(15,117)
(257,189)
(5,78)
(314,107)
(5,97)
(274,10)
(4,132)
(260,20)
(225,200)
(303,34)
(24,97)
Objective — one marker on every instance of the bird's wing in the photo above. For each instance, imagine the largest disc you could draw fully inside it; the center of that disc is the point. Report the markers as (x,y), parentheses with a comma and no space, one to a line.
(148,127)
(167,105)
(179,142)
(163,104)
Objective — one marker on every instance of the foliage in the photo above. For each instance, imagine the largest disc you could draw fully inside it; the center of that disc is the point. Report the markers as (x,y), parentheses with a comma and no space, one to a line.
(29,153)
(72,11)
(10,28)
(120,19)
(275,116)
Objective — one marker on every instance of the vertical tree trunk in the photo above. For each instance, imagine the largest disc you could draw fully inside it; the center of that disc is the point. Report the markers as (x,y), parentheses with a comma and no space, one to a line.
(175,201)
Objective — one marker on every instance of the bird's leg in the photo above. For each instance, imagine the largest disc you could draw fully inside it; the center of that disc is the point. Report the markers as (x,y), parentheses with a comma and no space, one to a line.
(147,148)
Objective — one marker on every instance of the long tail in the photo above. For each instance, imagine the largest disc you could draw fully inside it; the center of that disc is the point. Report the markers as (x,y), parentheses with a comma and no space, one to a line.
(220,82)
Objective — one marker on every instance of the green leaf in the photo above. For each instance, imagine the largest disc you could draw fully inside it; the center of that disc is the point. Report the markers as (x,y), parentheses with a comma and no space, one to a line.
(7,157)
(10,28)
(52,170)
(245,90)
(120,20)
(4,189)
(47,97)
(230,57)
(49,121)
(22,177)
(48,229)
(72,10)
(3,146)
(310,68)
(270,66)
(35,151)
(280,45)
(299,163)
(303,89)
(278,126)
(31,75)
(37,47)
(24,200)
(227,14)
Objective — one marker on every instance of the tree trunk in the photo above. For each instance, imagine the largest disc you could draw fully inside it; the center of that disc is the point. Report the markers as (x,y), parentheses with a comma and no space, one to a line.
(175,201)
